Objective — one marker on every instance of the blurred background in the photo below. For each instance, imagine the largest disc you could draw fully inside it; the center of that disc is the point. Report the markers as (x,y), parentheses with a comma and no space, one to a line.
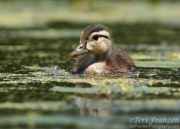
(40,30)
(36,37)
(41,13)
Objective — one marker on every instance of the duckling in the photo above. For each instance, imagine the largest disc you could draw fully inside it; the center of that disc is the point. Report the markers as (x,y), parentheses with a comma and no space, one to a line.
(97,54)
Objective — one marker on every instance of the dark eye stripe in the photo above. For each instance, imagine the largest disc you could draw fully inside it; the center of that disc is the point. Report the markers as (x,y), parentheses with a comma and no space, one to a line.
(104,36)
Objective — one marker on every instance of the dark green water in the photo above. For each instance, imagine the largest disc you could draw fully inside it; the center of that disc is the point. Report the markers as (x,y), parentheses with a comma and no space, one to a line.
(37,94)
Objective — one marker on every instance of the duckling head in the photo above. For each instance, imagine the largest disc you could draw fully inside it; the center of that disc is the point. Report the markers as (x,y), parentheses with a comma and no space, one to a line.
(95,40)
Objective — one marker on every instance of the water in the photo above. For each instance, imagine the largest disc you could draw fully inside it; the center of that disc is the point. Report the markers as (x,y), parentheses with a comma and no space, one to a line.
(38,92)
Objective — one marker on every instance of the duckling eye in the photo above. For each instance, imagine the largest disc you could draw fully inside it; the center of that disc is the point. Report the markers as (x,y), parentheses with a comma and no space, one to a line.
(95,37)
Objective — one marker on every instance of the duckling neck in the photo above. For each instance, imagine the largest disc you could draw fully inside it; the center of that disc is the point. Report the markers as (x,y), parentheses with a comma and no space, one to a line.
(102,57)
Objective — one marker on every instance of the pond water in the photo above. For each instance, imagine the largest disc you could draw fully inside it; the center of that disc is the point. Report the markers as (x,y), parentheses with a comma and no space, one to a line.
(38,92)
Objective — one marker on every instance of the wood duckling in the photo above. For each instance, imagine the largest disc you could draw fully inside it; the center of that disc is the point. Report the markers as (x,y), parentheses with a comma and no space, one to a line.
(97,54)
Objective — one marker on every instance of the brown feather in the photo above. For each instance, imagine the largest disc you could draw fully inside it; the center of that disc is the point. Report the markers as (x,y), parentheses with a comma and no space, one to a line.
(120,62)
(116,61)
(89,30)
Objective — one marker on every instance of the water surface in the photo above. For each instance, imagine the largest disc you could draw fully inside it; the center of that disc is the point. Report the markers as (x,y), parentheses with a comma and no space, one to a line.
(38,92)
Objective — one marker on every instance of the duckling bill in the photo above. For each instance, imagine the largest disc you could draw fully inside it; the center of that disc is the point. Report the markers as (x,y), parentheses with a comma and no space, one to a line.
(97,54)
(81,49)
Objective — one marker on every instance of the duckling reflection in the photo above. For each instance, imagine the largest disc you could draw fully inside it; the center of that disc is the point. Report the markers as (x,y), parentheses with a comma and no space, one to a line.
(93,105)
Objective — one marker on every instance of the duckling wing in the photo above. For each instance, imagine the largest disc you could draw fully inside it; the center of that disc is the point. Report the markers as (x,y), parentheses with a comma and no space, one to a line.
(123,64)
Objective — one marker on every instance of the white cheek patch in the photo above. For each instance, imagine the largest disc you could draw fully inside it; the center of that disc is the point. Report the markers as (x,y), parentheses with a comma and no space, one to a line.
(98,46)
(90,45)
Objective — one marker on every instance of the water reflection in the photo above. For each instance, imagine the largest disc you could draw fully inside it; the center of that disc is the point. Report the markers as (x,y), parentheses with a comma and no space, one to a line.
(93,105)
